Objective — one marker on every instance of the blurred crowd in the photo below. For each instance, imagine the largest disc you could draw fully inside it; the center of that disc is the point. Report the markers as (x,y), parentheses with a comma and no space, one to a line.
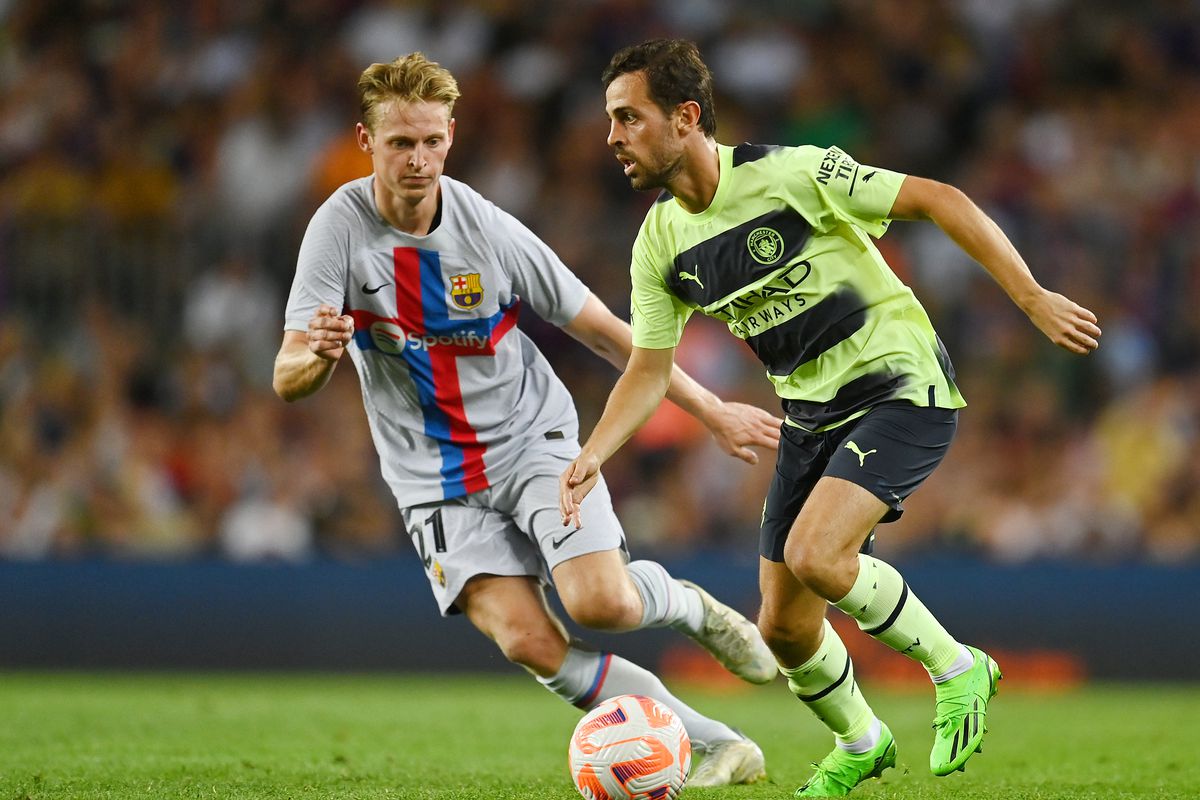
(159,162)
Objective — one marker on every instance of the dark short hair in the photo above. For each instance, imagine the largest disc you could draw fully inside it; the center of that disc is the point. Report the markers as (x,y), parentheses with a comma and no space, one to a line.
(675,73)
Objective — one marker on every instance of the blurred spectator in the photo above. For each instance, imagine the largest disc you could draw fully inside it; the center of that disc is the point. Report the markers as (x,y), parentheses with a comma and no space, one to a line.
(235,310)
(266,527)
(158,162)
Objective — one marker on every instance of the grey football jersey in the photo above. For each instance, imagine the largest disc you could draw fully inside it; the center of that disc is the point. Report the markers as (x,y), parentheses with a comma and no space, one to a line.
(454,391)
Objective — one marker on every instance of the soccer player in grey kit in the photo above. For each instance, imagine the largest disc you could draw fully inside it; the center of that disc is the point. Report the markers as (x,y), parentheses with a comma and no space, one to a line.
(472,426)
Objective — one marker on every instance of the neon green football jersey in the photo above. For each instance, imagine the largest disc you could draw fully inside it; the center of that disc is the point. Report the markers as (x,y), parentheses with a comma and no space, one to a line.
(784,256)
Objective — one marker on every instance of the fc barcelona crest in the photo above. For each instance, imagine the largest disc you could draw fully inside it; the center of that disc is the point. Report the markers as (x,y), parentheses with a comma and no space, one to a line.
(465,290)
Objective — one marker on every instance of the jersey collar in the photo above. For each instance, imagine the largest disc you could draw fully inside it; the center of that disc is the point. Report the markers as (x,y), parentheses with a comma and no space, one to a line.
(725,162)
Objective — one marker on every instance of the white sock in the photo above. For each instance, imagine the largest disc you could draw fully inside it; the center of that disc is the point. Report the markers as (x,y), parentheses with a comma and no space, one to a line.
(865,742)
(587,678)
(665,601)
(961,664)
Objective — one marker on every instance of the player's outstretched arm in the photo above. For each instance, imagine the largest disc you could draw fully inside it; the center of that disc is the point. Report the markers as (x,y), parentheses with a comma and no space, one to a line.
(1067,324)
(306,359)
(638,392)
(737,427)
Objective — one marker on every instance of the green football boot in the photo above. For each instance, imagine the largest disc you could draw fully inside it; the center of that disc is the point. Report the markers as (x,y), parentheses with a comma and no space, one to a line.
(840,771)
(962,713)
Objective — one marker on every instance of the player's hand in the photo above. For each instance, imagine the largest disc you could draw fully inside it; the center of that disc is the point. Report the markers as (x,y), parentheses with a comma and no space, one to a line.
(574,484)
(329,333)
(737,427)
(1067,324)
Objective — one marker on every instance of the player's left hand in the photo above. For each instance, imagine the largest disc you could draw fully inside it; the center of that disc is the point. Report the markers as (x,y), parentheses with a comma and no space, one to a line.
(737,427)
(1066,323)
(574,484)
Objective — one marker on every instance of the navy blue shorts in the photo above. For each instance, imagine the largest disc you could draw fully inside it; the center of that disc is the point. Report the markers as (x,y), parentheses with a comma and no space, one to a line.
(889,451)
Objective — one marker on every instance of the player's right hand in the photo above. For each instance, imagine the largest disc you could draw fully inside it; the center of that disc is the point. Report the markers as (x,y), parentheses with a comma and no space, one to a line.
(329,333)
(574,484)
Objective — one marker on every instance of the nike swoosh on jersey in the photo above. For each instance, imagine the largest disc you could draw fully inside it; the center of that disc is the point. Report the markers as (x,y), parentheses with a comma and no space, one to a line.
(557,543)
(368,290)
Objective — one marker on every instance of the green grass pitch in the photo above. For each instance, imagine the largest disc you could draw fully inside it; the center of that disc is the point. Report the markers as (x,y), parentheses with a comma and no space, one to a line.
(65,735)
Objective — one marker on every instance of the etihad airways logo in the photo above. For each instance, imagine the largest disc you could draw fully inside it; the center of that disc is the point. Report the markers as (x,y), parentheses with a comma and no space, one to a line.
(392,339)
(775,300)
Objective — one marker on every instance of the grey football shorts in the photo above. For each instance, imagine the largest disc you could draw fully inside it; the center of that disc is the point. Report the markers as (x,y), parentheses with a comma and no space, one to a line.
(889,451)
(511,528)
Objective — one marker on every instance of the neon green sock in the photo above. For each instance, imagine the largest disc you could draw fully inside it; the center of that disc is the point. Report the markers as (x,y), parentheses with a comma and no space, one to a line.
(825,683)
(882,605)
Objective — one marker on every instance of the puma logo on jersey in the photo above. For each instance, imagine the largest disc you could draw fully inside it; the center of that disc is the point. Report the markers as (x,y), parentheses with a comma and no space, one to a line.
(862,457)
(688,276)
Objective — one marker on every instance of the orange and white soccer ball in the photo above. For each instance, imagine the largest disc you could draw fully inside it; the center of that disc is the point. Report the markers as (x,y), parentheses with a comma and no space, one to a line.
(630,748)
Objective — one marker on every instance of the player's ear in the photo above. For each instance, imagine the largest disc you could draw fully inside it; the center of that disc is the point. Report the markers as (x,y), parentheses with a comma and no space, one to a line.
(364,138)
(687,115)
(450,133)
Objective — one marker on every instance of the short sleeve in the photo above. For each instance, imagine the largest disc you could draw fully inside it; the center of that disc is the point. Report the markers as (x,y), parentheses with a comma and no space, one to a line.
(321,269)
(656,315)
(850,192)
(538,275)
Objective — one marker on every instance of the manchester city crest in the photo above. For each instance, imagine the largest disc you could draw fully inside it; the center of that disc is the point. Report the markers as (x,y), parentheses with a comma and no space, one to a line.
(466,290)
(765,245)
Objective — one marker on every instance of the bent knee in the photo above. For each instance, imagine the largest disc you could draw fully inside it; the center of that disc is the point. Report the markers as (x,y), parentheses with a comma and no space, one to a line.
(813,561)
(535,648)
(610,611)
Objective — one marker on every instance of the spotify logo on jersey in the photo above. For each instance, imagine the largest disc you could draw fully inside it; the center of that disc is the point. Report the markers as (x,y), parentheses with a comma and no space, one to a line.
(388,337)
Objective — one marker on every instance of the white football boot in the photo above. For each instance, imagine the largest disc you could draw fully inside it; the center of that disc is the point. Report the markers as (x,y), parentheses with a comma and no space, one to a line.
(729,762)
(733,640)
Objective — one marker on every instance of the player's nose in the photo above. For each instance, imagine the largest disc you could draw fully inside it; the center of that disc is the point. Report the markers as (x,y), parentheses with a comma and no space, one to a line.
(613,134)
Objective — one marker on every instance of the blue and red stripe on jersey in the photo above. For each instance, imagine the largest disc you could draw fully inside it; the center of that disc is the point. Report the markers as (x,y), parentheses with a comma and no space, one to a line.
(421,310)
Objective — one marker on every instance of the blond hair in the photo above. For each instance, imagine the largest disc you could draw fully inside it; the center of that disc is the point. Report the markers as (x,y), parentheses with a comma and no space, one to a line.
(411,78)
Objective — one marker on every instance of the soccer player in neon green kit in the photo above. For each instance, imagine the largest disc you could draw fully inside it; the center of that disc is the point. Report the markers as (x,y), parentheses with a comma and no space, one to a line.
(776,242)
